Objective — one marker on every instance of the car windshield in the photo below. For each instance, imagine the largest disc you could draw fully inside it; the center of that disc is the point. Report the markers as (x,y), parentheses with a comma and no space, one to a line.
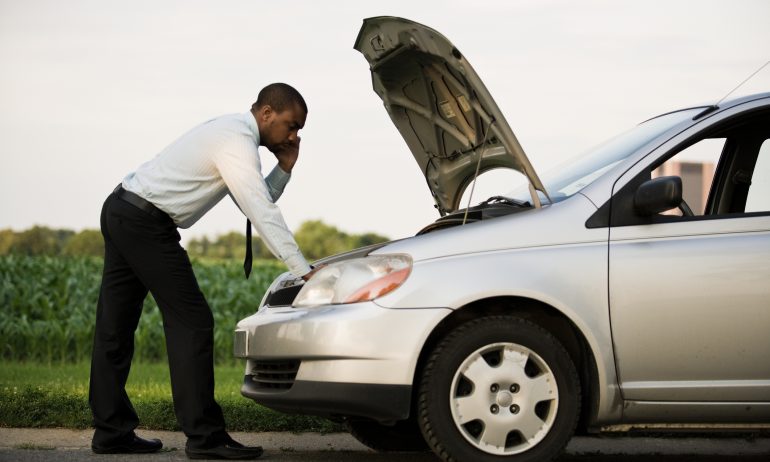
(579,172)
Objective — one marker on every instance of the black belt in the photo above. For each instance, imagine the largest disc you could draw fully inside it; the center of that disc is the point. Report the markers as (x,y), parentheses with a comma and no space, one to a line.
(139,202)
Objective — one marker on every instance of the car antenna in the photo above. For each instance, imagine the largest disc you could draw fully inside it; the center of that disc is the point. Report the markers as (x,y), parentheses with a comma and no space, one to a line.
(715,106)
(478,165)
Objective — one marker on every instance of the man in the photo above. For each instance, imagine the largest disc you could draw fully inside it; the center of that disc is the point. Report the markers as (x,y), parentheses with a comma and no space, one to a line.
(139,223)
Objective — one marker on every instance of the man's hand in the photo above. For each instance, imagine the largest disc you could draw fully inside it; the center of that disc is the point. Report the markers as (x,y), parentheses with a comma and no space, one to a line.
(287,155)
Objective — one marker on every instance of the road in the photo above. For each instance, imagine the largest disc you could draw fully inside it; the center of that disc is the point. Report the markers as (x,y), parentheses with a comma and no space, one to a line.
(33,445)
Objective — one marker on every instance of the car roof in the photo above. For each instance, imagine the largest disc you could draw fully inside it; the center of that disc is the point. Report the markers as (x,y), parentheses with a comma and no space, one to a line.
(602,187)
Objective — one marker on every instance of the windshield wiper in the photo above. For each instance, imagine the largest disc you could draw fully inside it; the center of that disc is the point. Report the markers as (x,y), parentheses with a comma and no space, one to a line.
(506,200)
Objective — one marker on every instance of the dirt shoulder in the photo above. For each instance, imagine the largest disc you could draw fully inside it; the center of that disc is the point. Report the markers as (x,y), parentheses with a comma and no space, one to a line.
(29,438)
(61,438)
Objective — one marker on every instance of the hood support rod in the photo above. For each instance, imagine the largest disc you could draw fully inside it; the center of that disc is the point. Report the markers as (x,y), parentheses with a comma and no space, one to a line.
(478,165)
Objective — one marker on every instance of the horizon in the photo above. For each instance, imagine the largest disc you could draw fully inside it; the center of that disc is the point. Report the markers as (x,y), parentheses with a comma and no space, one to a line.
(93,89)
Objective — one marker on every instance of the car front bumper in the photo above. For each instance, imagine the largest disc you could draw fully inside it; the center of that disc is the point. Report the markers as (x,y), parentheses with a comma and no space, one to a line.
(345,360)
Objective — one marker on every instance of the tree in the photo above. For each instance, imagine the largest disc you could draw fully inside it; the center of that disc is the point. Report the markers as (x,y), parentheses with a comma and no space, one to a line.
(40,240)
(362,240)
(87,242)
(7,237)
(259,248)
(314,237)
(199,247)
(229,245)
(317,239)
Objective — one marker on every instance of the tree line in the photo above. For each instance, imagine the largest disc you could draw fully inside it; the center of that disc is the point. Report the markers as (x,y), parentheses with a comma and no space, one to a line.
(316,239)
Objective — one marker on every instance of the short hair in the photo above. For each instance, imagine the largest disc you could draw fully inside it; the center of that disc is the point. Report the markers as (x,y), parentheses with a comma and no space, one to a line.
(279,96)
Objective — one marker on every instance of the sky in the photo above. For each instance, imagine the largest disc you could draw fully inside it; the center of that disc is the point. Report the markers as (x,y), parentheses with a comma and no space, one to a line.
(91,89)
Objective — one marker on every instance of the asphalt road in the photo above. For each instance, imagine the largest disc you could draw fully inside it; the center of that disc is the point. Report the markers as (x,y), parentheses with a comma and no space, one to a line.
(22,455)
(31,445)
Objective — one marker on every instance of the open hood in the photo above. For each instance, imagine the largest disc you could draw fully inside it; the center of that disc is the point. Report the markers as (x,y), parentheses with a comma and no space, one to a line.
(441,107)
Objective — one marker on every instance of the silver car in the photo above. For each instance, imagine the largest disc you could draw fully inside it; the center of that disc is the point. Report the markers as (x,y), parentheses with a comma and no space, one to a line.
(631,286)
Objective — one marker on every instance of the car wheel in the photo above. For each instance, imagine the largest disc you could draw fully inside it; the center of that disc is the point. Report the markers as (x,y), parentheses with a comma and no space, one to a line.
(403,436)
(498,388)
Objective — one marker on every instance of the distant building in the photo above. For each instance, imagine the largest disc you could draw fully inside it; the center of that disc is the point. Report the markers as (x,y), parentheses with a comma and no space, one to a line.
(696,181)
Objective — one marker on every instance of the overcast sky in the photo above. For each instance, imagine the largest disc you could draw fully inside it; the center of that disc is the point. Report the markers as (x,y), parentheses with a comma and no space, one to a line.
(90,89)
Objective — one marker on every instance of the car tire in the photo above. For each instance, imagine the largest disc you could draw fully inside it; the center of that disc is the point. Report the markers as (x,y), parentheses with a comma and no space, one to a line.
(498,388)
(403,436)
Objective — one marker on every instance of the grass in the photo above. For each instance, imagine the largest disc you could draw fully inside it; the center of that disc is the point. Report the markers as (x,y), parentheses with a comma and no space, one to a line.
(56,395)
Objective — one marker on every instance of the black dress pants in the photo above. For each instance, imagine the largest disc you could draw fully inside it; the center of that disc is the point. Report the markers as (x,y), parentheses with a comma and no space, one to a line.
(142,253)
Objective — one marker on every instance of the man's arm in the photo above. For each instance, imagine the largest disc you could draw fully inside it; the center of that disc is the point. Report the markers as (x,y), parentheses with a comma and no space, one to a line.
(276,182)
(239,167)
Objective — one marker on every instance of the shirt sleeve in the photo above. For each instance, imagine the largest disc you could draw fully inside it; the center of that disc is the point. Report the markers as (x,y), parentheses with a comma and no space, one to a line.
(238,164)
(276,182)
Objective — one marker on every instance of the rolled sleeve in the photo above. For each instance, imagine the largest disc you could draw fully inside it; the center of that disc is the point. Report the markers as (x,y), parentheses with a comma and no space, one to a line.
(276,182)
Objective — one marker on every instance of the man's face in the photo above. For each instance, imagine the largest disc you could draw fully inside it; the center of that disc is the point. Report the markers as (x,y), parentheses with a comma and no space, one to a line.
(278,130)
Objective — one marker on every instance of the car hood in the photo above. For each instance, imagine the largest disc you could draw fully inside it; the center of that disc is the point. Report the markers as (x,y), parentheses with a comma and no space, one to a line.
(441,107)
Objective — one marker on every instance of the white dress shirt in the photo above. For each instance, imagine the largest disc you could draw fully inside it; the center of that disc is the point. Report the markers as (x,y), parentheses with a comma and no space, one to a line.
(216,158)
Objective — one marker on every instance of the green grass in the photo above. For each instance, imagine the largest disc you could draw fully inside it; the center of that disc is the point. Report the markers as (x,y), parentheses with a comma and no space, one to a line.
(56,395)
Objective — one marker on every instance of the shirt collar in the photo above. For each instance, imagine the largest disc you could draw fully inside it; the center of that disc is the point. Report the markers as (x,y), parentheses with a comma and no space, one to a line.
(252,123)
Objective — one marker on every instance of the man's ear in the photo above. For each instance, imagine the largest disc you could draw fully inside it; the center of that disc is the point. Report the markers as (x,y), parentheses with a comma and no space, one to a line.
(265,112)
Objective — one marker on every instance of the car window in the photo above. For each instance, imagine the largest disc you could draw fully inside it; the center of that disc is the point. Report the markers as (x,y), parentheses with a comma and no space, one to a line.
(759,192)
(744,163)
(725,172)
(695,165)
(573,175)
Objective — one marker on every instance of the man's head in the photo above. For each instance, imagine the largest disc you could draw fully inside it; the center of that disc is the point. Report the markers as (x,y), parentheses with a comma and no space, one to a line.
(280,111)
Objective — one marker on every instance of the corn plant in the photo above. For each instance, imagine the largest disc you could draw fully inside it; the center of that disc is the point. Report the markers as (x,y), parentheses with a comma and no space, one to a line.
(48,306)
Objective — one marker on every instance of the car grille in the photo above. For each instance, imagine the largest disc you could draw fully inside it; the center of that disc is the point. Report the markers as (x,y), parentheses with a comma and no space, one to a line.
(274,375)
(283,297)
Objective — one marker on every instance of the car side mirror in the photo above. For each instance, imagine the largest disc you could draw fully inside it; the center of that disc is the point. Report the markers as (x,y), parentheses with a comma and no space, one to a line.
(658,195)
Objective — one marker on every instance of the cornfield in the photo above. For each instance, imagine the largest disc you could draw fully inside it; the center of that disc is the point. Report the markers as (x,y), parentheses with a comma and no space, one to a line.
(49,307)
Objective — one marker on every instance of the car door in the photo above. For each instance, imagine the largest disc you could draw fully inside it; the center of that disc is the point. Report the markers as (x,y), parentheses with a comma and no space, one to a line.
(689,297)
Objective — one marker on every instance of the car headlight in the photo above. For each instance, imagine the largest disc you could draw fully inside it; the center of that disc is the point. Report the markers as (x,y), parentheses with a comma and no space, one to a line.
(355,280)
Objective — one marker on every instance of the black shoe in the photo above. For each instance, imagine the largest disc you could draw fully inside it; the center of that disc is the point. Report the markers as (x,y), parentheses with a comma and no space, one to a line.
(231,450)
(135,446)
